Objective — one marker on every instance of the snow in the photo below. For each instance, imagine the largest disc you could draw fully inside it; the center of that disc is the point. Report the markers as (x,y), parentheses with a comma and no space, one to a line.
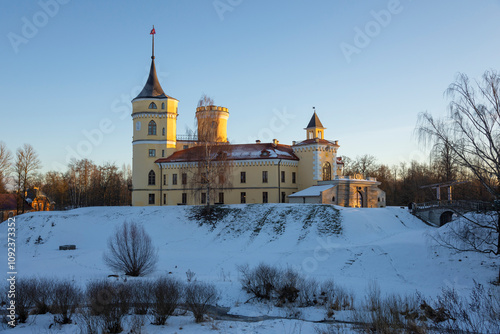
(386,245)
(311,191)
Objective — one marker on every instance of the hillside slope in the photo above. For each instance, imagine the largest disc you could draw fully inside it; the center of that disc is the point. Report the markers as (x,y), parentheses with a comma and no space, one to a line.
(352,246)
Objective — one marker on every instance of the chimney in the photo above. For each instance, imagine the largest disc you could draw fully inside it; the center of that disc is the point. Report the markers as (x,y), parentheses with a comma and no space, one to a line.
(275,142)
(257,141)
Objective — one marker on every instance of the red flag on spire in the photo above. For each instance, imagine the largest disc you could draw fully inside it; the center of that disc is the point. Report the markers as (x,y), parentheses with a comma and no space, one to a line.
(152,31)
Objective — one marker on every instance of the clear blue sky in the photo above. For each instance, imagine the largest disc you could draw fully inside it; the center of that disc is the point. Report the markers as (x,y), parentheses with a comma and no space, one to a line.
(88,59)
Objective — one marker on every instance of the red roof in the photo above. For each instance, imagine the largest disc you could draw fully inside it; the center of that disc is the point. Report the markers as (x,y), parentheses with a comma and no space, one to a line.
(236,152)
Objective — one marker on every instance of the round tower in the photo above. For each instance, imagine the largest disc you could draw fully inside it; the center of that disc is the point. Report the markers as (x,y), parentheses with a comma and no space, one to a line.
(212,123)
(154,116)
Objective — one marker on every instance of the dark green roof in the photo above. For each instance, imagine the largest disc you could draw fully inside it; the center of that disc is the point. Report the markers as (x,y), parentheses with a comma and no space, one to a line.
(152,89)
(315,122)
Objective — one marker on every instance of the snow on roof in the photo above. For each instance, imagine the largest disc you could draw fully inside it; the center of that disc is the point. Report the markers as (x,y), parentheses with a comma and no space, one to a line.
(235,152)
(317,141)
(312,191)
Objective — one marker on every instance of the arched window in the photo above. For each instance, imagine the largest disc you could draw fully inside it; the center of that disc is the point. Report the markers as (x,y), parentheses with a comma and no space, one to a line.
(163,105)
(327,171)
(151,178)
(152,128)
(163,132)
(152,106)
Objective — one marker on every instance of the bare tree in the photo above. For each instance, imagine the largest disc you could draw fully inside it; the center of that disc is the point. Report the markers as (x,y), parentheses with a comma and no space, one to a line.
(205,101)
(365,165)
(209,162)
(25,166)
(472,133)
(130,250)
(445,161)
(5,164)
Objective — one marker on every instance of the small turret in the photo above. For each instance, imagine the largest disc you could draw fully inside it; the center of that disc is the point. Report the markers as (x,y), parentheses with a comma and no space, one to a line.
(315,129)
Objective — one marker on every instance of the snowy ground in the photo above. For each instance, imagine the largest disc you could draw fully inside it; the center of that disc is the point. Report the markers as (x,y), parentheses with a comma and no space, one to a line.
(359,246)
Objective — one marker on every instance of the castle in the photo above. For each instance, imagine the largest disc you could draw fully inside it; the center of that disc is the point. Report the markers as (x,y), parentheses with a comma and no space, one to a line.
(164,164)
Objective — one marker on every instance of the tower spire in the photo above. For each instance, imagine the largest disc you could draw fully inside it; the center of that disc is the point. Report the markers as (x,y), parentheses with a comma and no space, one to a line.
(153,32)
(152,89)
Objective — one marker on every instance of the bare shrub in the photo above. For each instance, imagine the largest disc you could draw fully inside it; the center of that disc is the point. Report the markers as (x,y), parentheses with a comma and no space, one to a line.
(335,298)
(130,250)
(25,292)
(141,296)
(308,292)
(261,281)
(373,298)
(67,297)
(135,324)
(199,297)
(166,293)
(88,322)
(390,314)
(44,295)
(4,301)
(111,302)
(287,286)
(480,313)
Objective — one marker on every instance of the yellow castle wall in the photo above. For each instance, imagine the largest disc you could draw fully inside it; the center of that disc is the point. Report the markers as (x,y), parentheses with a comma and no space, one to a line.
(253,187)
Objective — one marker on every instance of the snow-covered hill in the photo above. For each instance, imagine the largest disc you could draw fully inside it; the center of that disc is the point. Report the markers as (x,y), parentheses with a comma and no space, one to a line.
(352,246)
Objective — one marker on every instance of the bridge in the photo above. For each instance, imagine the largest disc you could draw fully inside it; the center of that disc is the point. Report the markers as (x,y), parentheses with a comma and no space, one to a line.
(438,213)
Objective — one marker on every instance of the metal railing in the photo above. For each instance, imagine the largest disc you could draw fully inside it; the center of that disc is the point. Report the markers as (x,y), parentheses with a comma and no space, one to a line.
(187,137)
(461,205)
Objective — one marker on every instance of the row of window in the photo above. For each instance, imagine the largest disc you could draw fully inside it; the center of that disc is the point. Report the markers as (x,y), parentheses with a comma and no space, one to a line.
(152,178)
(243,198)
(152,105)
(243,177)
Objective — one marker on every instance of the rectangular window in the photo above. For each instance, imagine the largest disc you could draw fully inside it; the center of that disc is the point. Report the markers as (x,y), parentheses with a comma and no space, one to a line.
(221,198)
(264,176)
(282,176)
(174,178)
(203,198)
(293,177)
(264,197)
(184,198)
(152,152)
(165,179)
(152,199)
(243,197)
(243,177)
(163,153)
(184,178)
(185,147)
(165,199)
(283,197)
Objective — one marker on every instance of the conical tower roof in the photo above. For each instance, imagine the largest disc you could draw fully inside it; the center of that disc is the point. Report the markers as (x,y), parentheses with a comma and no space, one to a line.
(152,89)
(315,122)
